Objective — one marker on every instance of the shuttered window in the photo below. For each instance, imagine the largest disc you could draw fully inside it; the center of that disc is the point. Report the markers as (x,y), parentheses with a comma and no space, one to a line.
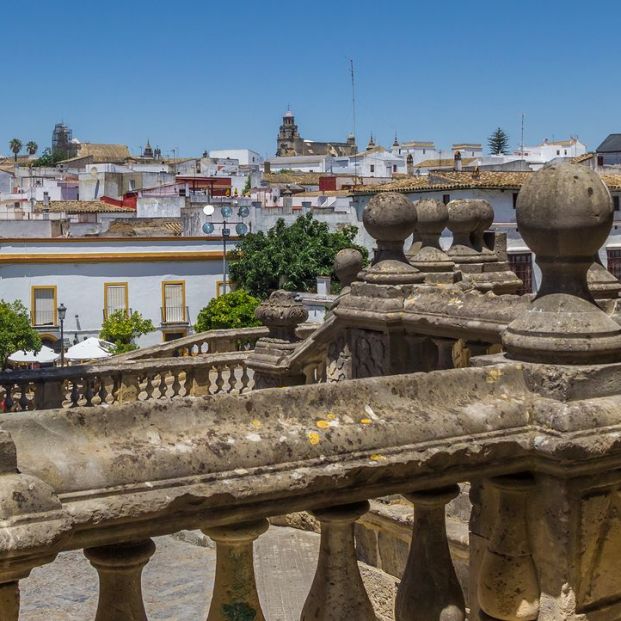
(173,295)
(521,264)
(44,306)
(614,261)
(116,297)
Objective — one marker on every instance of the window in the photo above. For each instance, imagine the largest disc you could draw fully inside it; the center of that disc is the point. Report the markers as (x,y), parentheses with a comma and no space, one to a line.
(515,195)
(446,199)
(220,287)
(424,151)
(614,261)
(173,301)
(43,308)
(521,264)
(372,168)
(615,202)
(394,168)
(115,297)
(132,184)
(558,152)
(565,151)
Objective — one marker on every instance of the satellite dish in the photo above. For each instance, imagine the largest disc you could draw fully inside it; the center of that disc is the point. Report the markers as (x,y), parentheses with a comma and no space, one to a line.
(208,228)
(226,212)
(208,210)
(243,211)
(241,229)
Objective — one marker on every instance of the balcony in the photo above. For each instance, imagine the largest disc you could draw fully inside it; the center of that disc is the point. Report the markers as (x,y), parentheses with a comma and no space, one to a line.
(424,392)
(175,315)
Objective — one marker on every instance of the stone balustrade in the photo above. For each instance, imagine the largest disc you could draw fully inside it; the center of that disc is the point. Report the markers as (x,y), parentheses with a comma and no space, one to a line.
(123,382)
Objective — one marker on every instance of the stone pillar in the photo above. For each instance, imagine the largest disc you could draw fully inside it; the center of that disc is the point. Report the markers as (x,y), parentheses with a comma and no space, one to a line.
(281,313)
(430,590)
(235,591)
(444,358)
(338,593)
(120,579)
(508,588)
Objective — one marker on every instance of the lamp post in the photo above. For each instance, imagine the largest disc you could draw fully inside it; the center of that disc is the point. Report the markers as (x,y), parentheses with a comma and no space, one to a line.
(62,311)
(240,228)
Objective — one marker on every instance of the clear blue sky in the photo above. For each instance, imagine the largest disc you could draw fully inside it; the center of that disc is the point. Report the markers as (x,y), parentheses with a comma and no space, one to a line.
(206,74)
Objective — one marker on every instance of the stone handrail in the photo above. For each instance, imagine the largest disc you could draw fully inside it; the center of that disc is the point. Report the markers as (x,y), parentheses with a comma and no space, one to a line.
(127,381)
(211,341)
(107,480)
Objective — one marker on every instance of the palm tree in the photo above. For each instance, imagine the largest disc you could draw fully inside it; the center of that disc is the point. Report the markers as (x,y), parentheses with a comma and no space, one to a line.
(31,147)
(16,146)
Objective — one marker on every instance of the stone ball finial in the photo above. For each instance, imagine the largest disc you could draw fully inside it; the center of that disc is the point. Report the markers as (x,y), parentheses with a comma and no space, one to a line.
(389,218)
(486,219)
(432,219)
(347,265)
(564,213)
(463,220)
(282,313)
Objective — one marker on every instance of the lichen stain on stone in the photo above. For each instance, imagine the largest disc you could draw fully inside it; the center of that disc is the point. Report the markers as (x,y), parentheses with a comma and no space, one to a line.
(377,457)
(313,437)
(238,611)
(493,375)
(256,423)
(322,424)
(366,421)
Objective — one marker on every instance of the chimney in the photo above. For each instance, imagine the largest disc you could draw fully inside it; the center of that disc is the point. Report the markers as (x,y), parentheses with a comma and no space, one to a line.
(457,162)
(267,167)
(46,201)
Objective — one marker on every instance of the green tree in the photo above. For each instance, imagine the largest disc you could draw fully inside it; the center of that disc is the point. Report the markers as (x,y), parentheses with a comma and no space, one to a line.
(248,186)
(15,330)
(498,142)
(231,310)
(15,144)
(31,147)
(288,257)
(121,328)
(47,159)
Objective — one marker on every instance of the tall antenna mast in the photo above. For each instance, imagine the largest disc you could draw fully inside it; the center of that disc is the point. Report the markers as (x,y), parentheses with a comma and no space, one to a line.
(353,107)
(522,142)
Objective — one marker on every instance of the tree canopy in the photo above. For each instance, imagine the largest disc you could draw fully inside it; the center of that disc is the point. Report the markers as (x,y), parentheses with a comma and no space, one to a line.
(231,310)
(15,144)
(121,328)
(15,330)
(498,142)
(288,257)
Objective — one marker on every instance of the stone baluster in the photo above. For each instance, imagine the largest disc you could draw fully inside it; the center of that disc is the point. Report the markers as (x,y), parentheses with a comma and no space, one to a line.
(8,397)
(235,592)
(176,383)
(24,402)
(74,395)
(281,313)
(508,588)
(245,379)
(89,391)
(9,601)
(129,388)
(162,386)
(430,590)
(120,585)
(219,369)
(337,592)
(444,347)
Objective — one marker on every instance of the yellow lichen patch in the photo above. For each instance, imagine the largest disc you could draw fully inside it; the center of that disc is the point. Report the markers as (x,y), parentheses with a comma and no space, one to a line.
(377,457)
(331,416)
(322,424)
(313,437)
(493,375)
(366,421)
(256,423)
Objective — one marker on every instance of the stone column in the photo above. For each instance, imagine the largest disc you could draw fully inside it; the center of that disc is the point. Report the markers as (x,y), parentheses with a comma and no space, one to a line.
(235,591)
(338,593)
(444,349)
(120,579)
(508,588)
(430,590)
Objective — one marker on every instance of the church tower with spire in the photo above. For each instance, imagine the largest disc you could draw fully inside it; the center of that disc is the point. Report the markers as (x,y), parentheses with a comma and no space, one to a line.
(288,136)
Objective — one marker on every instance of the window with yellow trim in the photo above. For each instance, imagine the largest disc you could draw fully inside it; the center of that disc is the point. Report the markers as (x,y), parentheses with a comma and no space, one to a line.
(173,301)
(43,309)
(116,296)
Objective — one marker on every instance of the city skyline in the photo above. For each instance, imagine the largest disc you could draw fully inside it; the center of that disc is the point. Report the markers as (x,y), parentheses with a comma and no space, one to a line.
(223,78)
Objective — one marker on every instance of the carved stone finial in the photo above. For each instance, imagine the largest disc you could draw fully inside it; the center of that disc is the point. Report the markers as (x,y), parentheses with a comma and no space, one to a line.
(564,213)
(347,265)
(432,220)
(390,218)
(602,284)
(468,220)
(282,313)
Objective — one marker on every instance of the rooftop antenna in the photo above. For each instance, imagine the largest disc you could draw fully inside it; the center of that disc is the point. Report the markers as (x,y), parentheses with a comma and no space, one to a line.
(353,107)
(522,139)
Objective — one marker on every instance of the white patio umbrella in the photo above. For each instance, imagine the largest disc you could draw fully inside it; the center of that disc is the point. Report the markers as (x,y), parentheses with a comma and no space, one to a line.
(44,356)
(90,349)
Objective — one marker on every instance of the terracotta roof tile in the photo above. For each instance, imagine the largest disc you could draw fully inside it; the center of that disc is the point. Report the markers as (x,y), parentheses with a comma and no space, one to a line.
(83,207)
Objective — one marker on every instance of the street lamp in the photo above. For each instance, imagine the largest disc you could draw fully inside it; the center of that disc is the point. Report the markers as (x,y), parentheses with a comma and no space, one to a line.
(62,311)
(240,228)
